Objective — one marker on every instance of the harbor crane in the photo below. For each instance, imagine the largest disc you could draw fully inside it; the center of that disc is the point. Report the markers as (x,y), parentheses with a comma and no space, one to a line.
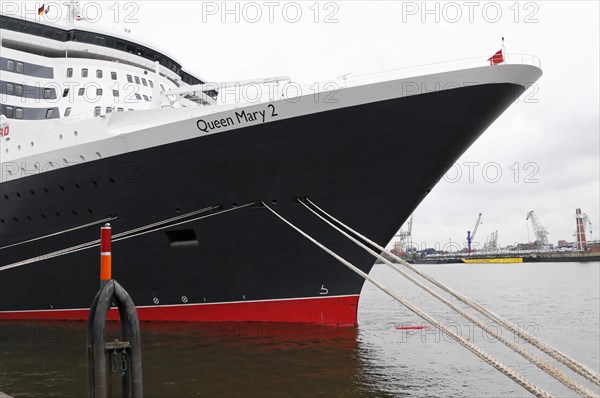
(404,236)
(491,244)
(471,236)
(541,233)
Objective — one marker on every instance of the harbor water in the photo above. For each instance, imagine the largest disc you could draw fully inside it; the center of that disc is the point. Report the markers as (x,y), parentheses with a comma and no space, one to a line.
(558,302)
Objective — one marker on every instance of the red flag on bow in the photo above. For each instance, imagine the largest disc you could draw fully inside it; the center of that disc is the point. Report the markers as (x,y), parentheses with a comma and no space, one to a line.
(497,58)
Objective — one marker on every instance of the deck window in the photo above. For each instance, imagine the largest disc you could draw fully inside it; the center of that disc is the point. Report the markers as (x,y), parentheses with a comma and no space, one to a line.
(109,109)
(67,112)
(69,72)
(99,73)
(113,75)
(84,72)
(146,98)
(97,111)
(65,92)
(137,79)
(49,113)
(119,109)
(10,111)
(19,90)
(10,65)
(10,88)
(139,97)
(99,92)
(20,67)
(144,82)
(115,93)
(47,93)
(129,79)
(19,113)
(81,91)
(151,83)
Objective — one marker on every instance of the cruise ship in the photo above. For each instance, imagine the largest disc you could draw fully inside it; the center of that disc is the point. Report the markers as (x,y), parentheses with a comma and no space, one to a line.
(99,126)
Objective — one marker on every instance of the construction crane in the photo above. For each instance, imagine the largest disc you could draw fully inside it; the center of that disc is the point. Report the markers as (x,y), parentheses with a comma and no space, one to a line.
(582,221)
(541,233)
(491,244)
(404,236)
(471,236)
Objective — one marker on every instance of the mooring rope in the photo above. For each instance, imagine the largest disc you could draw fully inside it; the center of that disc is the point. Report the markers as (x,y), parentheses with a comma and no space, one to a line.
(526,384)
(571,363)
(551,370)
(158,226)
(104,220)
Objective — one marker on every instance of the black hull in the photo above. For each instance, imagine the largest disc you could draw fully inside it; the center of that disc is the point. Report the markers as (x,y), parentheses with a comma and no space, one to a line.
(369,165)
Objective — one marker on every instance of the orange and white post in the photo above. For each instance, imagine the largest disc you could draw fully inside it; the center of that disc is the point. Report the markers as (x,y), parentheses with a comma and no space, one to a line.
(105,255)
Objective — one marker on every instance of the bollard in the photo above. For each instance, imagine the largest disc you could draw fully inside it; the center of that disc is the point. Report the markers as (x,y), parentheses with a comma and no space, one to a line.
(105,255)
(112,293)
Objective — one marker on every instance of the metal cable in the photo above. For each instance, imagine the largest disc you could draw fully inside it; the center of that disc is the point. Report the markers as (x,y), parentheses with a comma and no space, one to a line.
(526,384)
(551,370)
(571,363)
(124,235)
(104,220)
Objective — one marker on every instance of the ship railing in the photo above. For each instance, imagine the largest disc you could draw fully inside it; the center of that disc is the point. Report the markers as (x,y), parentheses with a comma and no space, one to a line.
(350,80)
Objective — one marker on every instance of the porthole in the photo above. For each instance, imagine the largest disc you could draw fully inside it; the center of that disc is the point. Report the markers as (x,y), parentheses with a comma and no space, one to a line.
(82,158)
(31,143)
(60,136)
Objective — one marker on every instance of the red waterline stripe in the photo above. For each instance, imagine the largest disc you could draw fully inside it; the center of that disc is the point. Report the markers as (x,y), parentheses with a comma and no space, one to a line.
(324,310)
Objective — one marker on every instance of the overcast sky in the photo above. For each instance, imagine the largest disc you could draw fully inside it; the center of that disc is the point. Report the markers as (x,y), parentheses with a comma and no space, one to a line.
(556,132)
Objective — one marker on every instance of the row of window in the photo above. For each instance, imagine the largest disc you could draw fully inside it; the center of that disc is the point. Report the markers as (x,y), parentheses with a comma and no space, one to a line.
(138,80)
(19,90)
(17,113)
(115,93)
(15,66)
(109,109)
(113,76)
(85,73)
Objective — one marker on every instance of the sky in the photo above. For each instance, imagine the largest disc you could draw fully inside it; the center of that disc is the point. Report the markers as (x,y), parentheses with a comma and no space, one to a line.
(546,145)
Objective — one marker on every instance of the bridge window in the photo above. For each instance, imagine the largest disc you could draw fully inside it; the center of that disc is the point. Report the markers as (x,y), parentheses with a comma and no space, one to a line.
(69,72)
(99,73)
(67,112)
(84,72)
(19,113)
(113,75)
(20,67)
(10,88)
(49,113)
